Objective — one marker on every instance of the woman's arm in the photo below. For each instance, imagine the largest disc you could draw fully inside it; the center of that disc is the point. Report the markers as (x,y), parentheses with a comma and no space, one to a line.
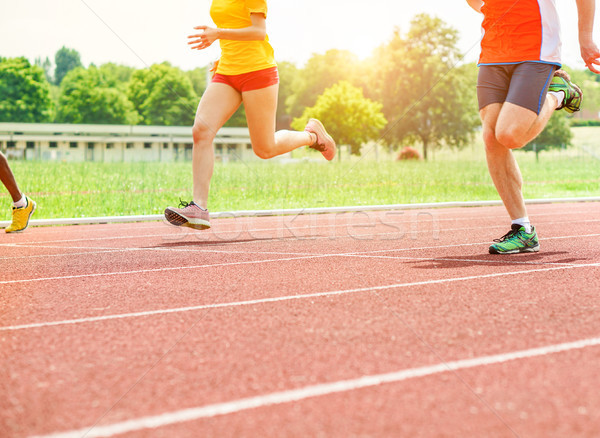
(256,32)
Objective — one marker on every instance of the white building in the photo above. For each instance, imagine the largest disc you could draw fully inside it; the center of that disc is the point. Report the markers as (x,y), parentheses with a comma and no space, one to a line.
(111,143)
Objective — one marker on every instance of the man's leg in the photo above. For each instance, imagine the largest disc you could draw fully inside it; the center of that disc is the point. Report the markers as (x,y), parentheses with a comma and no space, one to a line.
(505,127)
(507,178)
(528,106)
(502,165)
(516,126)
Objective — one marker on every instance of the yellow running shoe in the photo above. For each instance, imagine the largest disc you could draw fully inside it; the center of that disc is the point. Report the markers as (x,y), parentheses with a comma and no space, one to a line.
(20,219)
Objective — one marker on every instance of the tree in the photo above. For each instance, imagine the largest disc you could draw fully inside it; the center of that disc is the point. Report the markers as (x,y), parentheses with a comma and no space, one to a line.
(88,96)
(65,60)
(425,97)
(163,95)
(350,118)
(24,91)
(288,75)
(590,84)
(116,75)
(557,134)
(46,65)
(198,78)
(320,73)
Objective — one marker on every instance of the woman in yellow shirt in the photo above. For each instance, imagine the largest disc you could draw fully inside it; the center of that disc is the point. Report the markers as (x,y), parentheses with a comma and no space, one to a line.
(246,73)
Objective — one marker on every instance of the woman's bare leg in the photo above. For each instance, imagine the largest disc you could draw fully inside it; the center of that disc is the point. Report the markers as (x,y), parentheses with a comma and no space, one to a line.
(217,105)
(261,108)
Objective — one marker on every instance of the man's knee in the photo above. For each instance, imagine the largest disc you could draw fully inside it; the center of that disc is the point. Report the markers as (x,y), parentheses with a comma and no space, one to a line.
(510,137)
(489,137)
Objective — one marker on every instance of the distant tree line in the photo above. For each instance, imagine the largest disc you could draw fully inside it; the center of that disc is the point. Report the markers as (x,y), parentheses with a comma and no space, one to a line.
(414,89)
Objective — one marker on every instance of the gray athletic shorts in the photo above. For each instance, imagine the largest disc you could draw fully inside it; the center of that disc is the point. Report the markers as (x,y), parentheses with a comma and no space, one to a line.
(524,84)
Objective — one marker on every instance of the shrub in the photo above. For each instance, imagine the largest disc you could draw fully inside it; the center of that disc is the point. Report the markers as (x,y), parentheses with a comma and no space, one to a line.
(409,153)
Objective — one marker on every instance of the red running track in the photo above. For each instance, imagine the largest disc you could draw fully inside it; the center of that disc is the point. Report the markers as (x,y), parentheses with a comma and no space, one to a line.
(379,324)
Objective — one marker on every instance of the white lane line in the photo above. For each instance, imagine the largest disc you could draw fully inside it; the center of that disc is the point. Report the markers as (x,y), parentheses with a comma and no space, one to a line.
(285,298)
(319,390)
(357,254)
(185,233)
(457,245)
(293,254)
(308,226)
(67,254)
(175,268)
(109,250)
(306,218)
(359,237)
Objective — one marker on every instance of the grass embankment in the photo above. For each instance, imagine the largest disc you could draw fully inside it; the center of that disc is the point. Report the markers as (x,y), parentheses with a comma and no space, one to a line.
(112,189)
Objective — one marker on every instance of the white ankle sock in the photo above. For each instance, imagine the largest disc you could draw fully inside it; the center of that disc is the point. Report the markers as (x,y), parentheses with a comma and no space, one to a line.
(524,222)
(560,96)
(20,203)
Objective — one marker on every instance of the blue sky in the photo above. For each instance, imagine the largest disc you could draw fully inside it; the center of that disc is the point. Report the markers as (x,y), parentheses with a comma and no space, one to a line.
(142,32)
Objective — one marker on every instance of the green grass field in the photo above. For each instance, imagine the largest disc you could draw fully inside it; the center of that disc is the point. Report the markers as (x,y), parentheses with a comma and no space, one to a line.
(102,189)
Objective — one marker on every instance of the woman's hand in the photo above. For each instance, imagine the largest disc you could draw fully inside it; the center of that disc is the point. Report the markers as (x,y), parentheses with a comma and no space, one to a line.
(205,39)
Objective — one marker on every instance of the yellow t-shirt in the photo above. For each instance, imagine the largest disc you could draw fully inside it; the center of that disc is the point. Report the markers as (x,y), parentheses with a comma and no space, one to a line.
(238,57)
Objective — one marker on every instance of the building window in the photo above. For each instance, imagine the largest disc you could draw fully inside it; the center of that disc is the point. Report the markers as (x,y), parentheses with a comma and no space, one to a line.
(165,145)
(91,145)
(110,145)
(147,145)
(73,145)
(129,145)
(11,144)
(53,144)
(30,145)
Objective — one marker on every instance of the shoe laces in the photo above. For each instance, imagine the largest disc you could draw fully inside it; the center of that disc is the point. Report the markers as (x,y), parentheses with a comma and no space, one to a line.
(513,232)
(183,204)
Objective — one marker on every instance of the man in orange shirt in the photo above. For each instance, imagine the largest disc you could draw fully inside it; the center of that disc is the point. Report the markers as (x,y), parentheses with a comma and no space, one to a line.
(518,88)
(246,73)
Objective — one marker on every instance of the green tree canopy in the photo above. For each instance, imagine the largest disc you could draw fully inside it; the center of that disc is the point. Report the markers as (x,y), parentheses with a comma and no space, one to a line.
(350,118)
(88,96)
(198,78)
(163,95)
(24,91)
(288,76)
(116,75)
(321,72)
(65,61)
(590,85)
(46,65)
(425,97)
(556,134)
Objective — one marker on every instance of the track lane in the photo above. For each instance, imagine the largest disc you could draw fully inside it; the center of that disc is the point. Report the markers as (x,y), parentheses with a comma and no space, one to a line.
(264,347)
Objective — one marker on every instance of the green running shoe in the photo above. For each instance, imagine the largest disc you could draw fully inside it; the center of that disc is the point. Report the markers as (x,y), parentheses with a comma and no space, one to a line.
(573,94)
(515,241)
